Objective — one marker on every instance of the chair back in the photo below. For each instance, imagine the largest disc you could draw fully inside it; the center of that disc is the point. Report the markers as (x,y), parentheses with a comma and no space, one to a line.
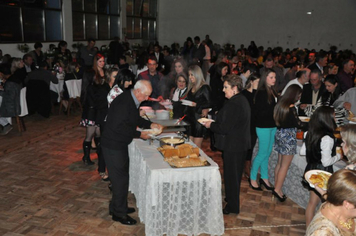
(74,88)
(23,102)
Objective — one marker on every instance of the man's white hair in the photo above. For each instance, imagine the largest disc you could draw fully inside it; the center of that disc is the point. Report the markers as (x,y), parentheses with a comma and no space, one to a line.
(142,85)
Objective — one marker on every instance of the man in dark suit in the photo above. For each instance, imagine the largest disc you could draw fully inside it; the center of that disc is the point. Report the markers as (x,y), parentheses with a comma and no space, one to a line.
(198,51)
(120,128)
(159,56)
(312,91)
(320,62)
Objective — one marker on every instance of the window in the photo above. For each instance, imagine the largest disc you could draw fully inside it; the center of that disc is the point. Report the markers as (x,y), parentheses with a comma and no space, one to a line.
(141,19)
(98,19)
(30,20)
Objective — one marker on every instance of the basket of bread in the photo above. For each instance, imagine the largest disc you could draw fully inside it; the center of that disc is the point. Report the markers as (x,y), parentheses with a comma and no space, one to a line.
(184,155)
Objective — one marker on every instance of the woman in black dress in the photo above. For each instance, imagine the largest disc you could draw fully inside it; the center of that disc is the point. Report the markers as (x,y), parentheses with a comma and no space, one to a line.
(200,94)
(249,92)
(96,78)
(232,132)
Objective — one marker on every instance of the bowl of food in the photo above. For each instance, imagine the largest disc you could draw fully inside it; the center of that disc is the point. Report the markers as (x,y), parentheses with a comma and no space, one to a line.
(171,141)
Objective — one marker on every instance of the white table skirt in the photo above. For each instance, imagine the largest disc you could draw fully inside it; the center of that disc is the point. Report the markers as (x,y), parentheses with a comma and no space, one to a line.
(174,201)
(58,88)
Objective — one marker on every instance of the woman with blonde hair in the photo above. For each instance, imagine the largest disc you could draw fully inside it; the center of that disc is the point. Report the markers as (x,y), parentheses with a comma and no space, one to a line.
(200,95)
(337,215)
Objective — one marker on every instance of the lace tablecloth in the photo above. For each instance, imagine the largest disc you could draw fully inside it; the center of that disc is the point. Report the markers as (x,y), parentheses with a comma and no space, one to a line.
(293,187)
(174,201)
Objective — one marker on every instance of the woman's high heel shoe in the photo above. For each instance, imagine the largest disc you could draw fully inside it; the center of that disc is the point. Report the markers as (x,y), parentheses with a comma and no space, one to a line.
(262,182)
(254,188)
(281,199)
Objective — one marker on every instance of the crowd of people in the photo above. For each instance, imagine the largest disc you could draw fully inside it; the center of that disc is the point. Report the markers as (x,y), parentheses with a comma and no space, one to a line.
(252,94)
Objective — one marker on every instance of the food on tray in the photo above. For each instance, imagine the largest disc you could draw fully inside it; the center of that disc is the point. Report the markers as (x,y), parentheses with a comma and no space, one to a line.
(353,119)
(172,140)
(184,155)
(186,162)
(204,120)
(321,179)
(304,118)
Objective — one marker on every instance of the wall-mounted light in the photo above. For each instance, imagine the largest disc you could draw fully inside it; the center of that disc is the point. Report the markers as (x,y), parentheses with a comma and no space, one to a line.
(309,12)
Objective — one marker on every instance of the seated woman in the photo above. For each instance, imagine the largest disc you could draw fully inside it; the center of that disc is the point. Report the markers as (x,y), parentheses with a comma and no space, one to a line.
(328,98)
(179,92)
(337,215)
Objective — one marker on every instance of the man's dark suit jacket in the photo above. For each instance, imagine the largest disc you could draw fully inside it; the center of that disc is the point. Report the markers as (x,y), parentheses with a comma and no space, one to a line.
(307,95)
(314,67)
(198,52)
(160,60)
(121,123)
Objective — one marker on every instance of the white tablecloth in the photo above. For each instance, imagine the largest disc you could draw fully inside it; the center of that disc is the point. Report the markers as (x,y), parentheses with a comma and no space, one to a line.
(58,88)
(174,201)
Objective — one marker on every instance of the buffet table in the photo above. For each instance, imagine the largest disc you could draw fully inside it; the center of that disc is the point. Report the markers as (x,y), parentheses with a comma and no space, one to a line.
(293,187)
(174,201)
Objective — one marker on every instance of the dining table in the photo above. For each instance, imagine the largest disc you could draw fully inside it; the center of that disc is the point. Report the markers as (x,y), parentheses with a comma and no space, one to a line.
(174,201)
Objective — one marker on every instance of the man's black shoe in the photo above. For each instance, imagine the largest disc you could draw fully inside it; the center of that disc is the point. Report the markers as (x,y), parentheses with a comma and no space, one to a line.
(125,220)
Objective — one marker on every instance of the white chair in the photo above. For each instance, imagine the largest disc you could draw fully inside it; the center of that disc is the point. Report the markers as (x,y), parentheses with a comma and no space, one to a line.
(74,90)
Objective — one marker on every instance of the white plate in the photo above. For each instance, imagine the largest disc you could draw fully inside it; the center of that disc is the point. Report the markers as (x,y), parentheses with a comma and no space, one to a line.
(153,132)
(166,103)
(304,118)
(312,172)
(187,102)
(204,120)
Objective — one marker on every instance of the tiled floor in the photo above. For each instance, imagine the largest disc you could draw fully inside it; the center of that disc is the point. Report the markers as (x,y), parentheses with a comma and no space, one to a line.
(46,190)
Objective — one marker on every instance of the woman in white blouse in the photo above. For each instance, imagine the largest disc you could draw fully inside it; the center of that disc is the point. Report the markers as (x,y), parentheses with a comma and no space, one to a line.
(320,150)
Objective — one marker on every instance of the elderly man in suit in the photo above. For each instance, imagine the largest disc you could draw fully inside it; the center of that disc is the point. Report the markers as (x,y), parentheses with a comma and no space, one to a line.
(312,91)
(122,120)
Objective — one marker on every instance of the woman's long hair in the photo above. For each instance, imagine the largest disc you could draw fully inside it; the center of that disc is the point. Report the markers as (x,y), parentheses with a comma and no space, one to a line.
(199,78)
(290,97)
(250,79)
(262,85)
(15,64)
(98,79)
(348,134)
(108,73)
(219,68)
(321,123)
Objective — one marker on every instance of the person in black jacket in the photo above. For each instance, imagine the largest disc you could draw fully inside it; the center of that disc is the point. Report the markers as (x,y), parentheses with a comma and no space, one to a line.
(93,80)
(200,94)
(232,132)
(120,128)
(264,102)
(312,91)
